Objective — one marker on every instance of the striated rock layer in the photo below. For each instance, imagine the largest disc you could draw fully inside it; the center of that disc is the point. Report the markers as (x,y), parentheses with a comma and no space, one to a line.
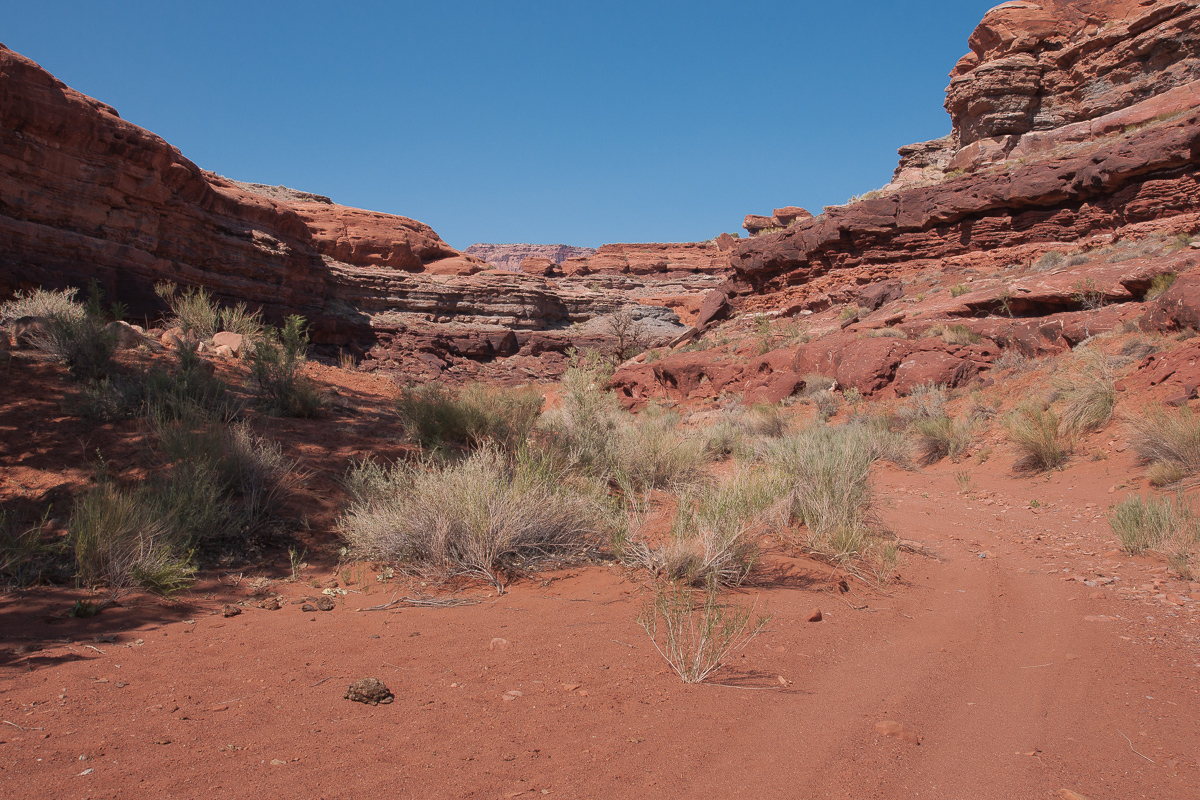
(509,256)
(85,194)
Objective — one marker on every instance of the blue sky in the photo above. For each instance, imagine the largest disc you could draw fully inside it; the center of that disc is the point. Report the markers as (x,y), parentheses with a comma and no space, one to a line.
(579,123)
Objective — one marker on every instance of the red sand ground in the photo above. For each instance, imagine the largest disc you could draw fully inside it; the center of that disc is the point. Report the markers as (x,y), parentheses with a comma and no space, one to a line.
(1016,677)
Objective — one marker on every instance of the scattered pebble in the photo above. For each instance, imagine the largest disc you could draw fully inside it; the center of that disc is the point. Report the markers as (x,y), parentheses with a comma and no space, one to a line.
(815,615)
(895,730)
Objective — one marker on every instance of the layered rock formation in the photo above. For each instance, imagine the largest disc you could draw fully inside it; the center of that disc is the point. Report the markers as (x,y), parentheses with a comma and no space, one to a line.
(85,194)
(509,256)
(1070,181)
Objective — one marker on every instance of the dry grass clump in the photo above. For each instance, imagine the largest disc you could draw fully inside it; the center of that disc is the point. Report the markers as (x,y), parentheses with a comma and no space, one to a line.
(40,302)
(715,534)
(697,638)
(484,515)
(1089,394)
(194,311)
(828,469)
(1050,260)
(1163,524)
(814,383)
(1014,360)
(436,415)
(24,556)
(742,431)
(1039,439)
(650,452)
(958,334)
(1169,441)
(944,437)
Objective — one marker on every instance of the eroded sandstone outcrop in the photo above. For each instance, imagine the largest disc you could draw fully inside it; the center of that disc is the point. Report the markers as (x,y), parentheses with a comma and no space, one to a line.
(510,256)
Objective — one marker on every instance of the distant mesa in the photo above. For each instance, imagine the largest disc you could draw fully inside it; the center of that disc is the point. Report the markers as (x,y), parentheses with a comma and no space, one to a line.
(509,256)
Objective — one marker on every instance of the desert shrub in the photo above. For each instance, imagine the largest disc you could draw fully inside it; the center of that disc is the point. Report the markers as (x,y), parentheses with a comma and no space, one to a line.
(275,371)
(189,390)
(80,340)
(222,480)
(1089,393)
(1169,442)
(959,290)
(1089,295)
(696,639)
(195,311)
(1160,284)
(741,431)
(482,516)
(59,303)
(1050,260)
(1078,259)
(891,333)
(814,383)
(1038,438)
(436,415)
(1138,348)
(628,334)
(650,452)
(828,469)
(120,541)
(926,401)
(1012,359)
(941,438)
(1163,524)
(827,404)
(583,427)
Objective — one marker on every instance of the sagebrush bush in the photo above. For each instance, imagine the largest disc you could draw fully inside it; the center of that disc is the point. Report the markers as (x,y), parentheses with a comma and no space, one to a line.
(1169,441)
(482,516)
(925,402)
(960,334)
(742,431)
(650,452)
(436,415)
(1038,437)
(84,344)
(276,362)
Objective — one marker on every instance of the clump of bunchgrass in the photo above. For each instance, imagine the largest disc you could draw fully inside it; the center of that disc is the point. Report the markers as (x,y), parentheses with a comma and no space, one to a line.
(1089,394)
(436,415)
(195,311)
(943,437)
(1164,524)
(1038,437)
(40,302)
(485,515)
(1169,441)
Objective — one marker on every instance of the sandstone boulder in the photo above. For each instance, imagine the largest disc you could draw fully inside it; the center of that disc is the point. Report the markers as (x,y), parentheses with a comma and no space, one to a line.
(1177,308)
(236,342)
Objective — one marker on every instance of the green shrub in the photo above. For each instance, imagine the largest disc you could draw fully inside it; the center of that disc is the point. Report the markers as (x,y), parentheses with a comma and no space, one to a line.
(24,556)
(83,343)
(1169,442)
(120,542)
(959,290)
(1041,444)
(190,390)
(484,515)
(960,334)
(275,366)
(436,415)
(650,452)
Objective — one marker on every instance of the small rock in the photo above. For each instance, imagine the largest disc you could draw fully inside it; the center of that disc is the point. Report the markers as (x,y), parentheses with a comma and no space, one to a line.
(1097,618)
(570,687)
(897,731)
(270,604)
(1067,794)
(815,615)
(1072,656)
(223,351)
(1174,599)
(498,644)
(370,691)
(276,762)
(234,341)
(308,608)
(230,611)
(325,604)
(512,694)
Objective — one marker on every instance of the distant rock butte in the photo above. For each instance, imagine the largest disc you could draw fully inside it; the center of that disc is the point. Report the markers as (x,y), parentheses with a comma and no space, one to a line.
(510,256)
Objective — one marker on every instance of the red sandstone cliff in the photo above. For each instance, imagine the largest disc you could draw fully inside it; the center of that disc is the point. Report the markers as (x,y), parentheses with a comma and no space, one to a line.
(510,256)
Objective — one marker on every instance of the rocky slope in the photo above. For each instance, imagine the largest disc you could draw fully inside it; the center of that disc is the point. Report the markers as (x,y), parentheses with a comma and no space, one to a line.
(510,256)
(1069,182)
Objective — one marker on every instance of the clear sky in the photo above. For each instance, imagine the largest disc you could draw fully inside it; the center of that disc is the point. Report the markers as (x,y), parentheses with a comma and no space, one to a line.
(550,122)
